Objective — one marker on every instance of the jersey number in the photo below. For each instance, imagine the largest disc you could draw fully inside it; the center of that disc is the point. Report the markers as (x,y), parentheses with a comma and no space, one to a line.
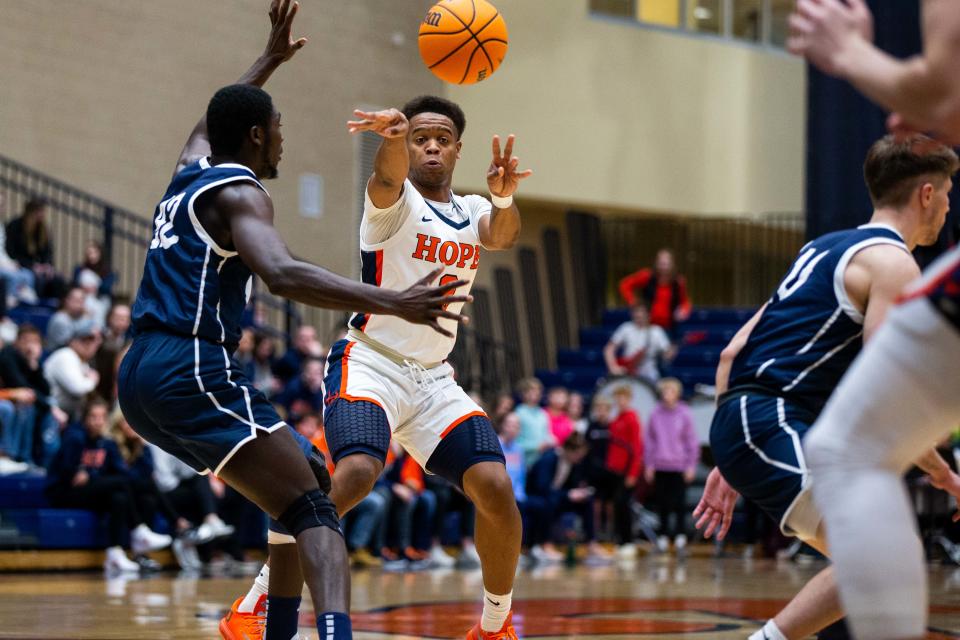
(447,279)
(800,273)
(163,224)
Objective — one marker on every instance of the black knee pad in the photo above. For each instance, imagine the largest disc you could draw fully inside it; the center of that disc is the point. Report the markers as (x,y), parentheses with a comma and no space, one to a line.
(318,464)
(356,427)
(470,442)
(312,509)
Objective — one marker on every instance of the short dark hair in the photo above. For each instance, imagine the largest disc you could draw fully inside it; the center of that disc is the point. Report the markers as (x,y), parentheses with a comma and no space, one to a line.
(575,441)
(27,329)
(895,166)
(232,112)
(435,104)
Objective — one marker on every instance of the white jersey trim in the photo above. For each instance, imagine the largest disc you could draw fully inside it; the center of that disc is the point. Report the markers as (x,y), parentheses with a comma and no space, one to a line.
(839,288)
(198,228)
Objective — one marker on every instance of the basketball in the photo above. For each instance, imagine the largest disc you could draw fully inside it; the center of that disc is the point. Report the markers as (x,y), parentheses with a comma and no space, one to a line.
(463,41)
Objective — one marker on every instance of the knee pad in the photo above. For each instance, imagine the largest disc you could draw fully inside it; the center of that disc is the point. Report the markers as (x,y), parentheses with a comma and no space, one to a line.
(470,442)
(356,427)
(312,509)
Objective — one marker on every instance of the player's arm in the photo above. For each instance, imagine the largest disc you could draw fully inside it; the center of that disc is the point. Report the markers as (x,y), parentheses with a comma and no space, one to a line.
(280,48)
(941,475)
(874,280)
(732,350)
(263,250)
(924,90)
(500,229)
(392,162)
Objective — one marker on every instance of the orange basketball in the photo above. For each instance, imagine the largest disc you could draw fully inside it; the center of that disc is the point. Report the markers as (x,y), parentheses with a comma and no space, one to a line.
(463,41)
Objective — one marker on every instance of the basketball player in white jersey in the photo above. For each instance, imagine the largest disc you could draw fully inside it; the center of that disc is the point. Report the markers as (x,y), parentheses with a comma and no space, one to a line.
(388,379)
(903,393)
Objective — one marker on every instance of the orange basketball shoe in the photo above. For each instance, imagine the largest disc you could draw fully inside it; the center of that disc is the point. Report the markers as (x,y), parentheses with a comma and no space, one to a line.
(245,626)
(506,632)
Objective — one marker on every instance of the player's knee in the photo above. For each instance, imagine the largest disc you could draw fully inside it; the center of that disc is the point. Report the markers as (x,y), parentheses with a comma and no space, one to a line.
(356,474)
(313,509)
(822,449)
(488,486)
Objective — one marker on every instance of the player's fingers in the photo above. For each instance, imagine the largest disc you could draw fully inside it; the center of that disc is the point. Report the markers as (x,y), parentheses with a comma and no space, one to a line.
(724,527)
(430,277)
(508,149)
(698,509)
(450,286)
(274,11)
(799,25)
(496,148)
(810,10)
(293,11)
(526,173)
(436,327)
(450,315)
(797,45)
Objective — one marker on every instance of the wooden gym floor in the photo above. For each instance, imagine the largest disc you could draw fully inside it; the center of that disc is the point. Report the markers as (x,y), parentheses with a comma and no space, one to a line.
(647,598)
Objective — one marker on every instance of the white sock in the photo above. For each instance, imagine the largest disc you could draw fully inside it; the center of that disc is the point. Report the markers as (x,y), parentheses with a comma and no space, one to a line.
(770,631)
(259,588)
(495,611)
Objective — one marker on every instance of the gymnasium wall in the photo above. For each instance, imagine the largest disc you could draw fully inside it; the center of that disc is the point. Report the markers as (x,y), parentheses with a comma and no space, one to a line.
(608,113)
(102,94)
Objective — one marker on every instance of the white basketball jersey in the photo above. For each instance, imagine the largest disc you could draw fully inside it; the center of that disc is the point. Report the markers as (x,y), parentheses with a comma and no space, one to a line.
(430,235)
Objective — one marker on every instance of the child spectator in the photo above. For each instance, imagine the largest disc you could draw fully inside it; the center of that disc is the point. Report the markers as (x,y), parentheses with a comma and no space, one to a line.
(88,472)
(535,437)
(503,405)
(636,347)
(533,509)
(575,412)
(560,478)
(673,451)
(560,424)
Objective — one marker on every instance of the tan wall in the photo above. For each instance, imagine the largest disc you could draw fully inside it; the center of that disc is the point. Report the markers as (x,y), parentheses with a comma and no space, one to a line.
(609,113)
(102,94)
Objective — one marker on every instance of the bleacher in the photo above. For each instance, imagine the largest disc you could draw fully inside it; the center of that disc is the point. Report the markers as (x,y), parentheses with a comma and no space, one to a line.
(702,337)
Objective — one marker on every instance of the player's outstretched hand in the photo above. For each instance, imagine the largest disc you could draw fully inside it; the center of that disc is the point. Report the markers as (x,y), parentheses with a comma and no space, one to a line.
(502,176)
(825,31)
(281,44)
(426,304)
(951,484)
(389,123)
(715,509)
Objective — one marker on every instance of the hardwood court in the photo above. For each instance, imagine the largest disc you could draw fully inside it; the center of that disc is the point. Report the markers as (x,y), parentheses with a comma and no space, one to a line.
(649,598)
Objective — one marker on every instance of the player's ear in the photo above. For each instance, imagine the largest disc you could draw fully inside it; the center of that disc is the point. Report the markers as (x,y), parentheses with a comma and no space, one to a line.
(926,194)
(459,146)
(258,135)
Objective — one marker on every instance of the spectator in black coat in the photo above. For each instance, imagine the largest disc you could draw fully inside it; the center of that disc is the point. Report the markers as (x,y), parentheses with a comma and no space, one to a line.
(304,394)
(20,368)
(560,476)
(89,472)
(28,242)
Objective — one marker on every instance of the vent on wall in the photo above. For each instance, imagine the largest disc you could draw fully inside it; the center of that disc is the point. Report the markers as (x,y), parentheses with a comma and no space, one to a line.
(557,285)
(509,322)
(530,280)
(589,262)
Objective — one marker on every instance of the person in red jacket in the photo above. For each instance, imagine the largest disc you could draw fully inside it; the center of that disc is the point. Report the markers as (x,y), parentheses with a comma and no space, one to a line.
(662,288)
(624,460)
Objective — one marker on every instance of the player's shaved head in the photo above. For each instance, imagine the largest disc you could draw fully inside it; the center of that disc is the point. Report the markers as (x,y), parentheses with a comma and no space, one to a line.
(895,166)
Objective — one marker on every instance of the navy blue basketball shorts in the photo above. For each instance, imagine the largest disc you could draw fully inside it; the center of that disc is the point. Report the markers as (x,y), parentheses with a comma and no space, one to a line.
(756,443)
(190,398)
(370,398)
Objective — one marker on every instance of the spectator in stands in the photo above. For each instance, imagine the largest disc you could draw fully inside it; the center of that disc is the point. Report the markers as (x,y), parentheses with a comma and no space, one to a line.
(560,424)
(20,368)
(636,347)
(305,345)
(17,420)
(28,242)
(534,509)
(409,515)
(69,372)
(260,367)
(63,323)
(95,305)
(620,443)
(116,339)
(244,353)
(88,472)
(559,476)
(305,393)
(662,289)
(672,454)
(18,280)
(96,263)
(535,436)
(503,405)
(575,412)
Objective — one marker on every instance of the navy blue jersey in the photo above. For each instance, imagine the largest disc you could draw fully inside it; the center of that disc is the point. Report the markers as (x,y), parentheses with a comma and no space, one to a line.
(810,331)
(191,286)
